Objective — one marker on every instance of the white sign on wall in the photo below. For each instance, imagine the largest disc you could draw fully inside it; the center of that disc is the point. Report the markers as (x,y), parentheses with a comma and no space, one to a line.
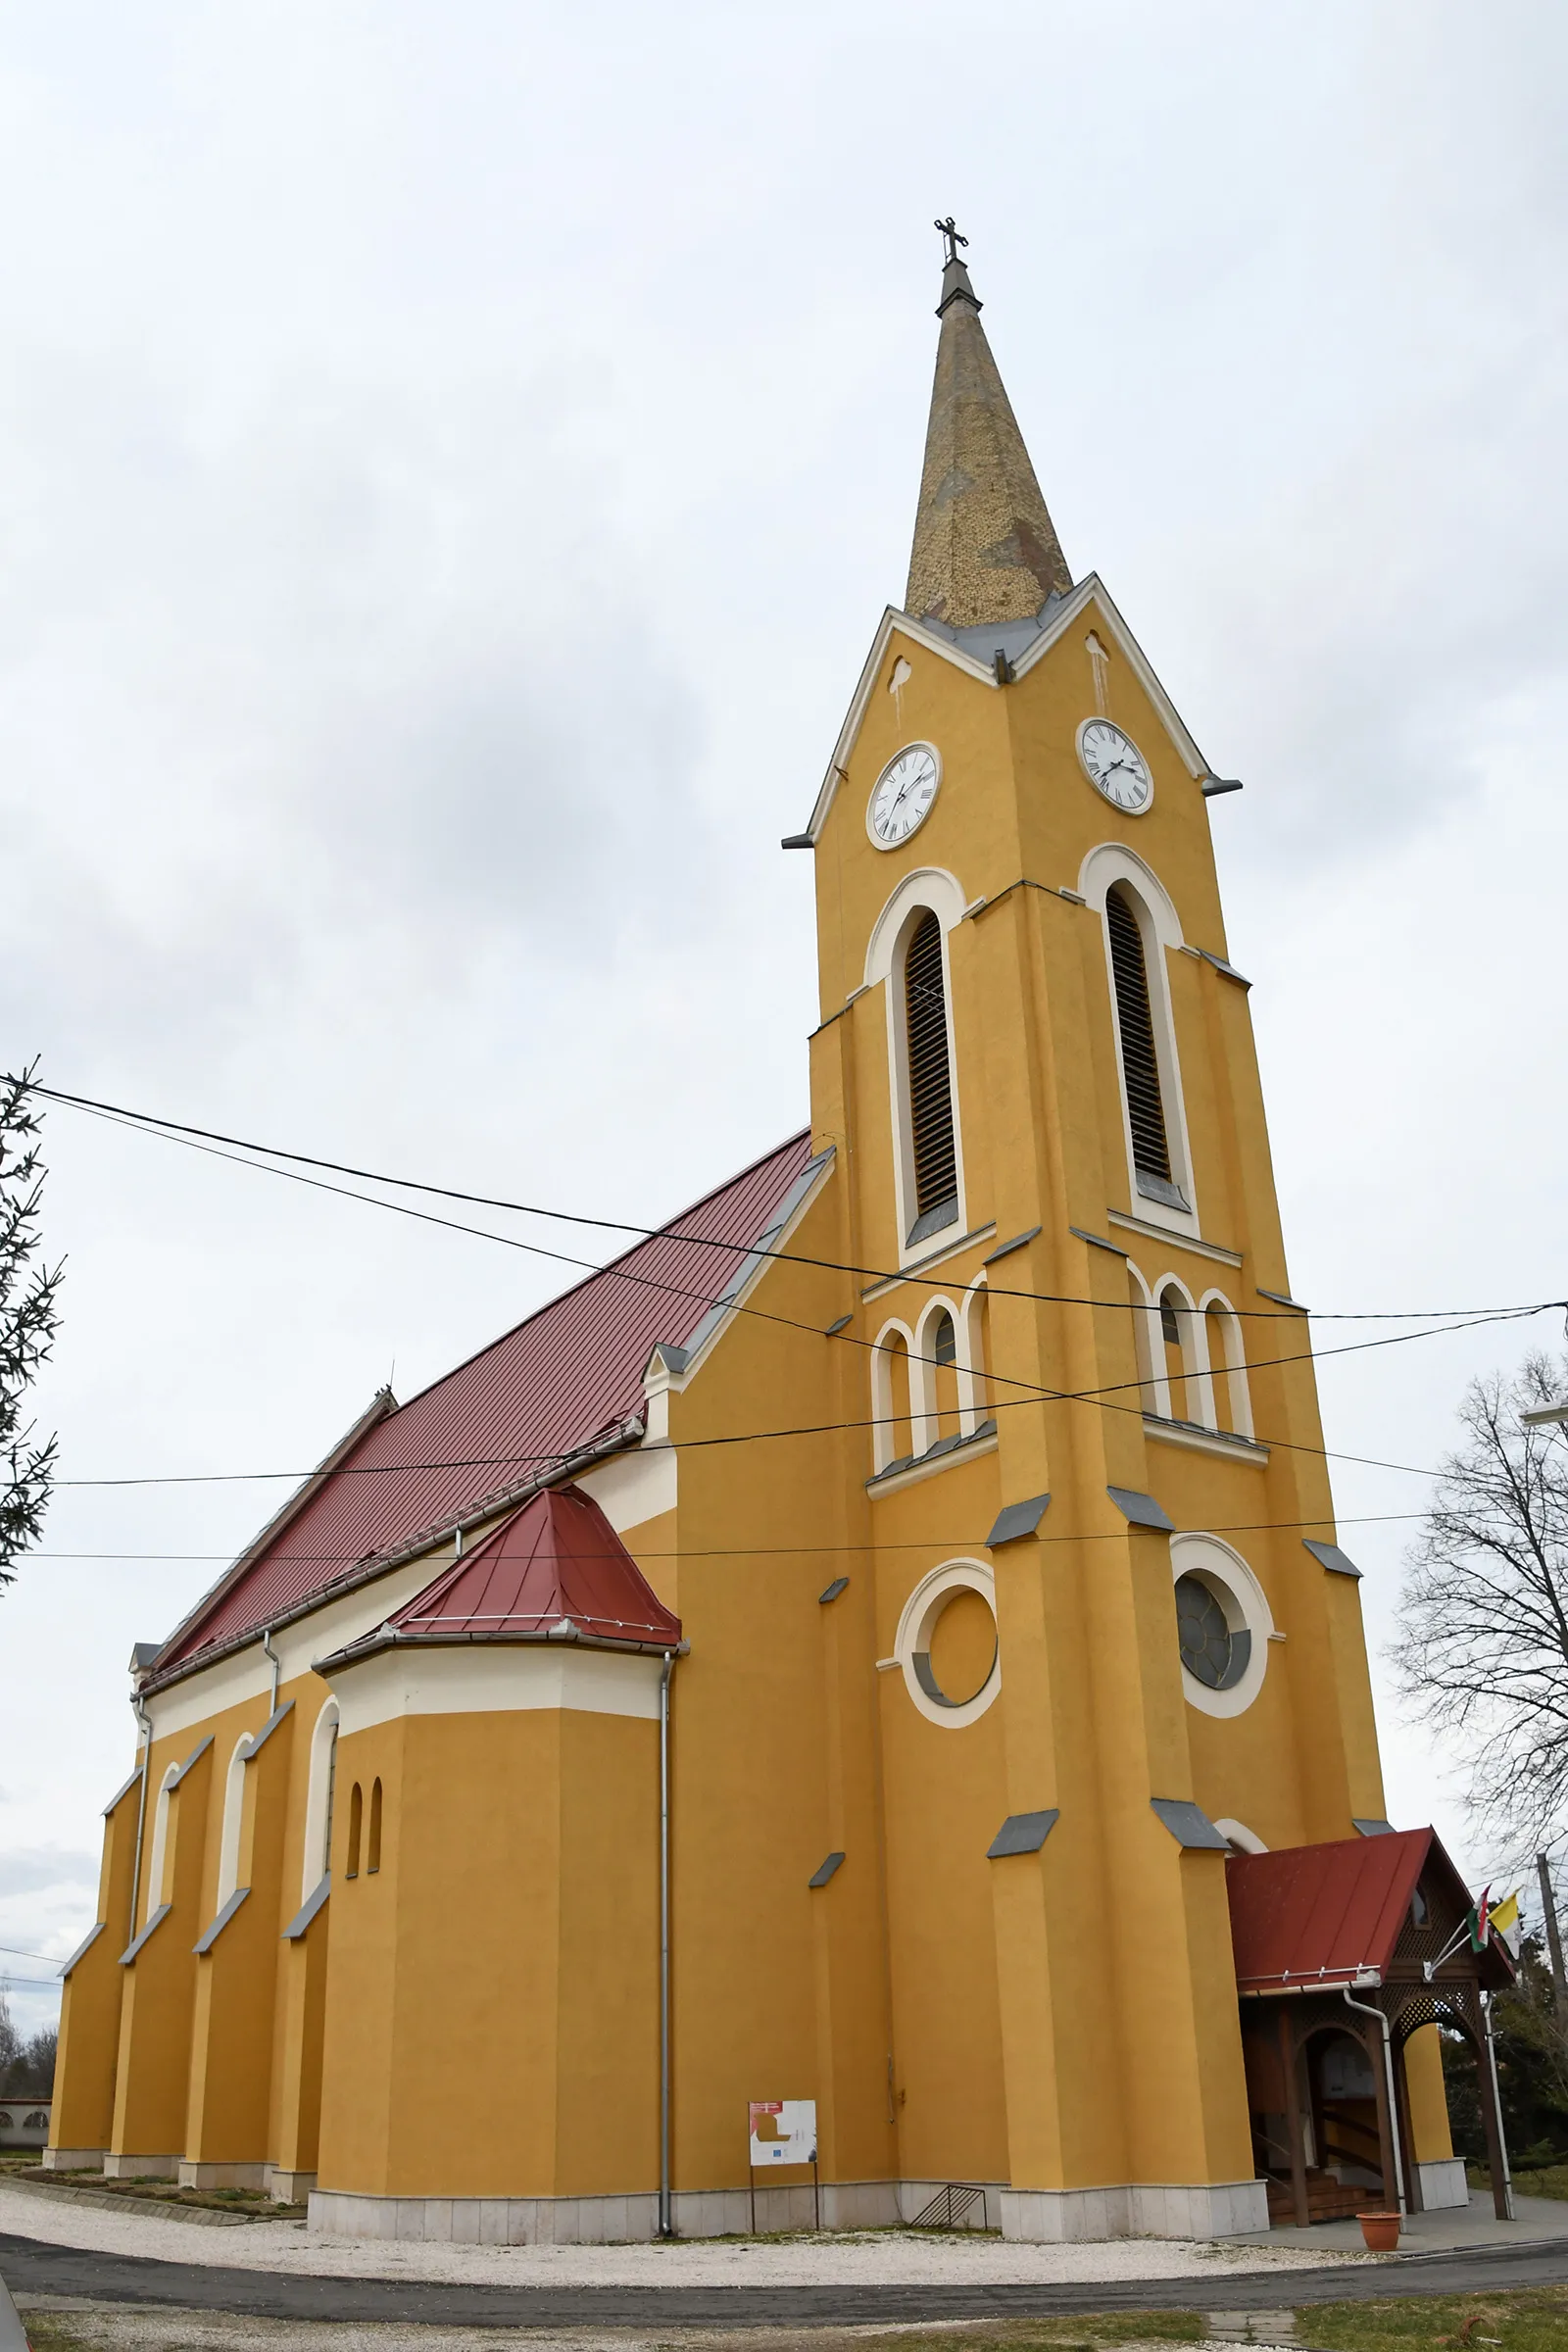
(783,2131)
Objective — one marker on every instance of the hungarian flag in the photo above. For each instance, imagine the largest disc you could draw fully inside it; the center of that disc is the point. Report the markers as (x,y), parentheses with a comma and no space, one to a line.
(1478,1922)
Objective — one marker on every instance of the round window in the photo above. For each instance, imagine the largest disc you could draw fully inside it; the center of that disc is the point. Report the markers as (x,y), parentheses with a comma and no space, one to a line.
(946,1644)
(1211,1652)
(1223,1625)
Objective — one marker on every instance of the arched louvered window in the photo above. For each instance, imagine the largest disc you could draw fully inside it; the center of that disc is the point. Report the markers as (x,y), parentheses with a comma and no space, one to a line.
(1140,1061)
(932,1147)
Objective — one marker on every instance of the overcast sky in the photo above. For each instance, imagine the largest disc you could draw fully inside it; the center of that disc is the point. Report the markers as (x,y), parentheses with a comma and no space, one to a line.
(451,461)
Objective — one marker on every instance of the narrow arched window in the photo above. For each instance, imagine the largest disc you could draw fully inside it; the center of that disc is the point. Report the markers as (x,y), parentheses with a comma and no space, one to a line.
(356,1824)
(1140,1061)
(1176,1338)
(373,1855)
(933,1145)
(331,1794)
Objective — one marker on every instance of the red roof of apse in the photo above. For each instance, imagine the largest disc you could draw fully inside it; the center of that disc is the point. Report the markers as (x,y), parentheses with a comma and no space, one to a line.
(555,1566)
(1312,1915)
(568,1374)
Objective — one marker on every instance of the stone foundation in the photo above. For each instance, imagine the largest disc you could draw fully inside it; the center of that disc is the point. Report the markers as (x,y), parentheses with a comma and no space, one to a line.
(141,2168)
(73,2160)
(1220,2210)
(1216,2209)
(221,2175)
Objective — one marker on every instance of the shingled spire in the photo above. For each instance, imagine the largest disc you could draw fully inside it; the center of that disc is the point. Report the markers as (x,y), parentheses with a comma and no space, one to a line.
(985,547)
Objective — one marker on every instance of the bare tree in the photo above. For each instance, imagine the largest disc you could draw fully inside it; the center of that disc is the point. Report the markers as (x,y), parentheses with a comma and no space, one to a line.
(1482,1656)
(28,1319)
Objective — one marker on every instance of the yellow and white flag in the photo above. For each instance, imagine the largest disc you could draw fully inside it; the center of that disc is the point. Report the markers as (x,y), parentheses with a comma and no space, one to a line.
(1504,1920)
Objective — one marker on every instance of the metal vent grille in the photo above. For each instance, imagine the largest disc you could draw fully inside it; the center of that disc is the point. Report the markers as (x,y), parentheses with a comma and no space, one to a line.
(936,1164)
(1146,1111)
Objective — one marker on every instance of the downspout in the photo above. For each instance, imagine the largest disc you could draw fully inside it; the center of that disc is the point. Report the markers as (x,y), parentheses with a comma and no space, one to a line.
(666,2223)
(146,1723)
(276,1664)
(1496,2102)
(1388,2076)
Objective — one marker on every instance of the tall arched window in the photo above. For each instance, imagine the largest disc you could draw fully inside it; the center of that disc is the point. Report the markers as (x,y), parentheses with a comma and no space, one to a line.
(932,1143)
(158,1859)
(233,1820)
(356,1824)
(372,1854)
(317,1859)
(1140,1059)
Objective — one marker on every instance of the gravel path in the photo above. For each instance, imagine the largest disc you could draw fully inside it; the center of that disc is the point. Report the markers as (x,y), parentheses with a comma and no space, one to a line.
(874,2258)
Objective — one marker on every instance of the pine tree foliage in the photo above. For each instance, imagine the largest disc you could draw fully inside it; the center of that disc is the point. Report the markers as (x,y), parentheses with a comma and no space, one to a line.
(1482,1656)
(28,1319)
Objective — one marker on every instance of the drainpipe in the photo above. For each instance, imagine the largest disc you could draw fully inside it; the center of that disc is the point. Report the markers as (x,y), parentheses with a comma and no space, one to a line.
(276,1664)
(666,2223)
(1388,2076)
(146,1723)
(1496,2104)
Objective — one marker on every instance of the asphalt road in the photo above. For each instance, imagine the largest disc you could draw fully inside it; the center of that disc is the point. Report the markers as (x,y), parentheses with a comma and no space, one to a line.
(33,2267)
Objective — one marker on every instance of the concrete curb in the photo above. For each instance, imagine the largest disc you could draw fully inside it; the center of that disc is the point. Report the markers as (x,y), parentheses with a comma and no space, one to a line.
(110,2200)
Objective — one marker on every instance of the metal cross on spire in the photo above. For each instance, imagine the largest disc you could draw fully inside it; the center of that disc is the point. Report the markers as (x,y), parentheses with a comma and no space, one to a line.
(949,229)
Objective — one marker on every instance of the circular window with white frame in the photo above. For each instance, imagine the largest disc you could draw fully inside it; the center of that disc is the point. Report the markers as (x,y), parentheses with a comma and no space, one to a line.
(946,1643)
(1223,1625)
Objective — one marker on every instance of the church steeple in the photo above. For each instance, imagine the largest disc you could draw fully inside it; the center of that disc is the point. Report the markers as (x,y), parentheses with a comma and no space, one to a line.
(985,547)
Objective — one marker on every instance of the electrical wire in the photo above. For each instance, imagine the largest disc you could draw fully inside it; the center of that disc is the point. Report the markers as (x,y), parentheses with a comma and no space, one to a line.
(175,1130)
(755,1551)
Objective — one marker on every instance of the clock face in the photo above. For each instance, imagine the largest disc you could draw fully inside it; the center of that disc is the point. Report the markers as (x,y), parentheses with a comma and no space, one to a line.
(902,795)
(1115,766)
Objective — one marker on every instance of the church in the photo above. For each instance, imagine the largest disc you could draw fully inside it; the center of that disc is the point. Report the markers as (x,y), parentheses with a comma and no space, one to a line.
(881,1641)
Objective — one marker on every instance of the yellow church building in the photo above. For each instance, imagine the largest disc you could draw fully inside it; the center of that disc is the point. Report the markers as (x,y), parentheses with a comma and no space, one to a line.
(851,1648)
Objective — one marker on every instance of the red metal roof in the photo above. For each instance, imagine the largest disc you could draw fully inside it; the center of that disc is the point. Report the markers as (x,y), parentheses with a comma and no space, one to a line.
(1327,1914)
(556,1565)
(568,1374)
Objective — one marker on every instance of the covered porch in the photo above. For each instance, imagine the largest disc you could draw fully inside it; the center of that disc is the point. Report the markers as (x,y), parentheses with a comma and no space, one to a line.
(1343,1953)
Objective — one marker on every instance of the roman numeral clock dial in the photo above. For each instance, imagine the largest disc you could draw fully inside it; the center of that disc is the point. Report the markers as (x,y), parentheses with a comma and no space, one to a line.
(1115,766)
(903,794)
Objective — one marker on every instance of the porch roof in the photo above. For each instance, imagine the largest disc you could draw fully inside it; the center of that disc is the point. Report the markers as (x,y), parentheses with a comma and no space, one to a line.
(1331,1915)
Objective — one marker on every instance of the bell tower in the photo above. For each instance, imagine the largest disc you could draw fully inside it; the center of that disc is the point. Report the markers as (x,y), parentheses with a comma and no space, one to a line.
(1090,1388)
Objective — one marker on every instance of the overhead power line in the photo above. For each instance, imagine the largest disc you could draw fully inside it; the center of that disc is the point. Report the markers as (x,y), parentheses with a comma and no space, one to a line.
(176,1130)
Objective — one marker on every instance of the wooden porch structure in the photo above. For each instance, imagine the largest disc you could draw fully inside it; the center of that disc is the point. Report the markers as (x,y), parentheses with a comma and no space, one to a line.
(1341,1953)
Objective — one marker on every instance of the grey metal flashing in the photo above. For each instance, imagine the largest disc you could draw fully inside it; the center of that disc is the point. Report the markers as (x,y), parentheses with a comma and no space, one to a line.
(1161,1188)
(222,1921)
(1019,1241)
(669,1356)
(1228,970)
(260,1737)
(1372,1829)
(1280,1299)
(796,841)
(840,1584)
(195,1758)
(1212,785)
(308,1910)
(1141,1510)
(1018,1519)
(1023,1833)
(934,1220)
(762,1251)
(933,1453)
(142,1654)
(1332,1558)
(82,1948)
(1189,1825)
(122,1793)
(824,1871)
(157,1920)
(833,1329)
(917,1265)
(1098,1241)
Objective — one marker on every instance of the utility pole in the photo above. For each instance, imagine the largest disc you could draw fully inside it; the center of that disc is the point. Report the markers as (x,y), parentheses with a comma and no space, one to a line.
(1548,1912)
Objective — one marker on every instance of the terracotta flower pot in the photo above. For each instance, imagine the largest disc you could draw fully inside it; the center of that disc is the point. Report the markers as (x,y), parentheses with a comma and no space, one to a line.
(1381,2231)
